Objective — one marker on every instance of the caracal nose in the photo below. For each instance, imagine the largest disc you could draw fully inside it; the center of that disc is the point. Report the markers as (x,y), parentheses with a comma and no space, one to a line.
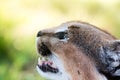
(40,33)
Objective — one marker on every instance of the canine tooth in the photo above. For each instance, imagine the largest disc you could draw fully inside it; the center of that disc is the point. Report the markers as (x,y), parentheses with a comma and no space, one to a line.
(39,61)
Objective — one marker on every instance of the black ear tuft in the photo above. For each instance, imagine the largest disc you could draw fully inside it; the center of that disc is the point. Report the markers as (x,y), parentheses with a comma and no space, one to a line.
(112,58)
(73,27)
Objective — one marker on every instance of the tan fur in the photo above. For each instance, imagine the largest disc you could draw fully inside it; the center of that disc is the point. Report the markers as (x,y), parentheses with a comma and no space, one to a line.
(78,65)
(81,53)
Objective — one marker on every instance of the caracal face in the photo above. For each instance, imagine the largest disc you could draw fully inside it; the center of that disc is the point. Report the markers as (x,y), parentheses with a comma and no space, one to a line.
(60,58)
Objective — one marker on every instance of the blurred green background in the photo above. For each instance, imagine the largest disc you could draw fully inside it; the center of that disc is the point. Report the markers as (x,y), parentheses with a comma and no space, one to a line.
(20,20)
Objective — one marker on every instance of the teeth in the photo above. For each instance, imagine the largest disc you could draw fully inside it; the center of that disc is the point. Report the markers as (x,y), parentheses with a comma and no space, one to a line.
(39,61)
(44,60)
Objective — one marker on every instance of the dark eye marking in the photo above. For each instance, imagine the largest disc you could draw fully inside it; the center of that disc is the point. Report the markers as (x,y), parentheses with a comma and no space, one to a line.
(61,35)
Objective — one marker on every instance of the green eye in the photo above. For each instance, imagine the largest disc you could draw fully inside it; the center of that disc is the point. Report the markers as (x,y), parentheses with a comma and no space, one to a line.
(61,35)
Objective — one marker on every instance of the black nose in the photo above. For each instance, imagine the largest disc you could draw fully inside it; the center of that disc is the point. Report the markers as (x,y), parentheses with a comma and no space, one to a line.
(39,34)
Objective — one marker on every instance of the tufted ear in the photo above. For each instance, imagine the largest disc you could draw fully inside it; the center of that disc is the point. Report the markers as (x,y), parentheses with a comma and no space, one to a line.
(112,59)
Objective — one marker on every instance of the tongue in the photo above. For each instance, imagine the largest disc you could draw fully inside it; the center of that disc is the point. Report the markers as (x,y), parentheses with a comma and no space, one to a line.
(47,62)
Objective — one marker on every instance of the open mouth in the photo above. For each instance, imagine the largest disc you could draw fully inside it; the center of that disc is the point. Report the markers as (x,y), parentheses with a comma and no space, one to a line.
(45,63)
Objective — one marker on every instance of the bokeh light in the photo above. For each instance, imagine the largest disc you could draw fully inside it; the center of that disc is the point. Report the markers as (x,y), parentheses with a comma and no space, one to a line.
(20,20)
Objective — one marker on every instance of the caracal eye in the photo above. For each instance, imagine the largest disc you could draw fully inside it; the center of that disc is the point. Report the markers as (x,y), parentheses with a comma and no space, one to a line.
(61,35)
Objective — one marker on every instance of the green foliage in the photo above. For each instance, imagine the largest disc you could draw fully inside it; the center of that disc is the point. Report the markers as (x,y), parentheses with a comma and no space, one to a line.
(18,57)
